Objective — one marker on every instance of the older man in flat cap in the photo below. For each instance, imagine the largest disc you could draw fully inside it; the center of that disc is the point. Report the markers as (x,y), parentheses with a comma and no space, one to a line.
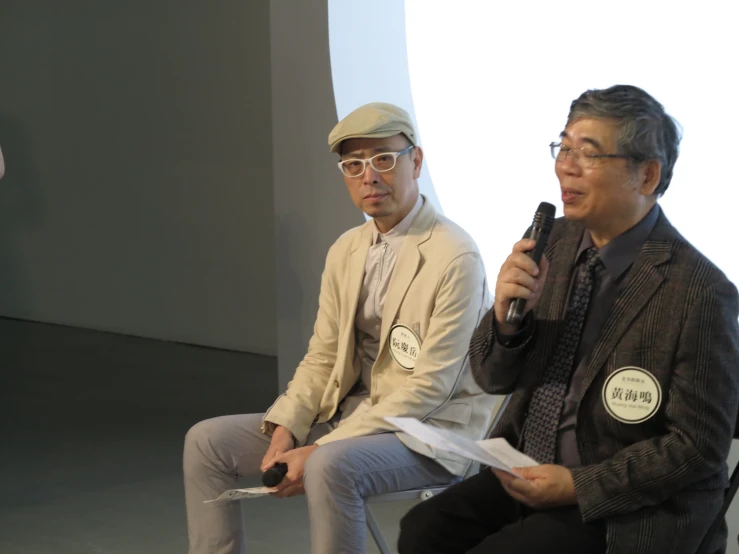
(400,297)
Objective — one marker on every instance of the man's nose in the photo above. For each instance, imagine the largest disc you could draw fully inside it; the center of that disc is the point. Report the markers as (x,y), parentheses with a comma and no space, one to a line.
(570,163)
(370,175)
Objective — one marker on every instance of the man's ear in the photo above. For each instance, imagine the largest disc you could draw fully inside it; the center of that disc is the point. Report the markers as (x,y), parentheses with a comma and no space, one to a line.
(417,161)
(650,175)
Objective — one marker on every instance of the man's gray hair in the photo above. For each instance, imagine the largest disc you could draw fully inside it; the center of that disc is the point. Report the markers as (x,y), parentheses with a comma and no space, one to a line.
(646,131)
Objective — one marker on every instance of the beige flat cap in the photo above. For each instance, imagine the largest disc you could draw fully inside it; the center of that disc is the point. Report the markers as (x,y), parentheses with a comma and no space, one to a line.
(375,120)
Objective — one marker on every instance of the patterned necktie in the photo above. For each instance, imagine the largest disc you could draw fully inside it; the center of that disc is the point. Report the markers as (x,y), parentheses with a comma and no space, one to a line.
(540,428)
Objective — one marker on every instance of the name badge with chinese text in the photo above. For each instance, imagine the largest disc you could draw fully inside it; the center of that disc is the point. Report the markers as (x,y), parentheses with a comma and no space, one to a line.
(632,394)
(405,346)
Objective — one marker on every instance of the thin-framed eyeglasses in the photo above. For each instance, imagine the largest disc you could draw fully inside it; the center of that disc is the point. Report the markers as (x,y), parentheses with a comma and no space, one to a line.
(385,161)
(584,157)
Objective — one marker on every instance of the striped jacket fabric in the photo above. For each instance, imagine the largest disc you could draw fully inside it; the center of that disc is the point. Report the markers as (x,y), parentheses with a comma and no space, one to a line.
(657,484)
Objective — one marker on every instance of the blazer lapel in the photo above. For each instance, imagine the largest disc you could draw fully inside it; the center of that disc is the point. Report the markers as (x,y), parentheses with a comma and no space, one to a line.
(553,303)
(639,286)
(357,260)
(406,267)
(560,271)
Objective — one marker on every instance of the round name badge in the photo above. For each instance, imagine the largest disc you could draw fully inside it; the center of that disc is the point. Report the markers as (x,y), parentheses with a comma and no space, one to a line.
(632,394)
(405,346)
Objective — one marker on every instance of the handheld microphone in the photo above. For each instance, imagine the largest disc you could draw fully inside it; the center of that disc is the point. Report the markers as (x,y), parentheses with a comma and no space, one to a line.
(539,231)
(274,475)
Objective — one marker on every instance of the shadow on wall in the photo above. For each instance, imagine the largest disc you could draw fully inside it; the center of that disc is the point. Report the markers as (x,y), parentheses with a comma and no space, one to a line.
(291,312)
(20,210)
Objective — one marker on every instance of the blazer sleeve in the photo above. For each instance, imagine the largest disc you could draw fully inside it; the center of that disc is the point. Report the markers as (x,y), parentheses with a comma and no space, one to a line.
(459,302)
(700,411)
(496,367)
(297,407)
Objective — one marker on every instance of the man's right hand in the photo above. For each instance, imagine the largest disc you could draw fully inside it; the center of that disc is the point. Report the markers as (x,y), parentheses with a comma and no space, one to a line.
(282,441)
(519,277)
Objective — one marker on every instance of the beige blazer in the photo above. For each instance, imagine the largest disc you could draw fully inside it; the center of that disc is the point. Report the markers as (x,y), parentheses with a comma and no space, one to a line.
(438,290)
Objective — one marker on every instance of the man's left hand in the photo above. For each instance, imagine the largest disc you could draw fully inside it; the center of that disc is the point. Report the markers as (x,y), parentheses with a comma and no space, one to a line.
(292,483)
(540,487)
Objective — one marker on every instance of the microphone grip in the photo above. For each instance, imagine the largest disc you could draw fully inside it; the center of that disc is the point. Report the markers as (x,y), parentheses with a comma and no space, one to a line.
(515,311)
(274,475)
(517,305)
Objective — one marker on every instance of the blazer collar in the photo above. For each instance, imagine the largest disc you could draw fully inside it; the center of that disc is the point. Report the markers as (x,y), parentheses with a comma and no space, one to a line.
(640,284)
(638,287)
(405,270)
(406,267)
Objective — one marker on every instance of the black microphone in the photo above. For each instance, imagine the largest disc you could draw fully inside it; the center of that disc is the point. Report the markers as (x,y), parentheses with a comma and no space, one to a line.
(274,475)
(539,231)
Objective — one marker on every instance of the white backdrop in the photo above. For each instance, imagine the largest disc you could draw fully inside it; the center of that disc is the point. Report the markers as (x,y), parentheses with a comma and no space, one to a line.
(490,84)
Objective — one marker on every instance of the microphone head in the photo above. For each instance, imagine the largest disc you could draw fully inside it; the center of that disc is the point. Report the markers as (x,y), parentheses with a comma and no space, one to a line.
(544,217)
(547,209)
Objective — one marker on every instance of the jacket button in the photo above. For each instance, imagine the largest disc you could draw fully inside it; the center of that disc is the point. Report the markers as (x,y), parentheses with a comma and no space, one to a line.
(336,383)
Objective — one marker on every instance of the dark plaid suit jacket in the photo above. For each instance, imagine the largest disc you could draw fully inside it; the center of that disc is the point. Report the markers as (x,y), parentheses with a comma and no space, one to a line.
(658,484)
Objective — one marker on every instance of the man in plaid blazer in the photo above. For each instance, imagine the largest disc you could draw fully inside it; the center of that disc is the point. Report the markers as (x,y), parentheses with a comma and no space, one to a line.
(649,407)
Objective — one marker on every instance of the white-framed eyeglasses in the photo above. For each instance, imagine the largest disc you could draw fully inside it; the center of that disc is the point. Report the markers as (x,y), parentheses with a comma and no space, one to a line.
(385,161)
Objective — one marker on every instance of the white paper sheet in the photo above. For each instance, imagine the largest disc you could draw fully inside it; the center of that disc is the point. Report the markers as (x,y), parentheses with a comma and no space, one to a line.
(496,453)
(505,453)
(240,494)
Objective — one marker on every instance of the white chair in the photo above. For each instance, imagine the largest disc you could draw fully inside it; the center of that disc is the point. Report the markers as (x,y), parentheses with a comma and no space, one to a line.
(420,494)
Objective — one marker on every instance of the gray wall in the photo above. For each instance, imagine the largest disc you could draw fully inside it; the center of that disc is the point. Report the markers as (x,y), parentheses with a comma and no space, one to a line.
(137,139)
(312,206)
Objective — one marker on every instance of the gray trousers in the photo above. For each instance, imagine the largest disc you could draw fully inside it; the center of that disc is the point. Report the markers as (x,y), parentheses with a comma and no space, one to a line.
(338,477)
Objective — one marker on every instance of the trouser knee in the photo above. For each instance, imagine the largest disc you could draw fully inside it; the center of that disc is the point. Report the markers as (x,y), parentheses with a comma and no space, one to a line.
(201,446)
(328,470)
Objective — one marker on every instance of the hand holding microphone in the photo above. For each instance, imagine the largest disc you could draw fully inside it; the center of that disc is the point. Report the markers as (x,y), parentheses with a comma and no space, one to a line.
(521,278)
(282,441)
(285,472)
(274,475)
